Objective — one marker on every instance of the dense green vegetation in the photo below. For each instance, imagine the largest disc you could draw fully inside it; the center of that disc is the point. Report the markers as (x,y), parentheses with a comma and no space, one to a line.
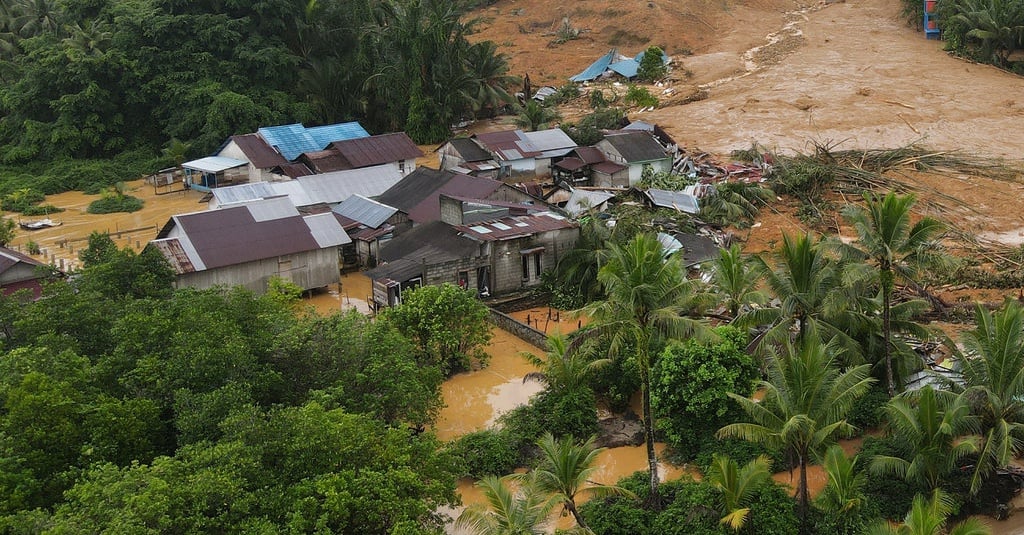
(127,405)
(119,79)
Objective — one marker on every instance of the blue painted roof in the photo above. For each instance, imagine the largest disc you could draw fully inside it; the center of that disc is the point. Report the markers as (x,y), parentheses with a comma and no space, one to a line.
(595,69)
(291,140)
(626,67)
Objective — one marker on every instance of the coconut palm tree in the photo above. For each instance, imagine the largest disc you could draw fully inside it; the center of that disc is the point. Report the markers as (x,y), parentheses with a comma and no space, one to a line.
(993,371)
(534,116)
(737,486)
(564,368)
(932,424)
(844,491)
(895,248)
(647,299)
(805,404)
(513,507)
(998,24)
(489,70)
(564,473)
(807,284)
(735,279)
(928,517)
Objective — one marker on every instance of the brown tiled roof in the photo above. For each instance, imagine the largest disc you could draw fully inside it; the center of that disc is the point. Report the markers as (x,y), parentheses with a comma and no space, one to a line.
(10,258)
(376,150)
(258,152)
(232,236)
(469,150)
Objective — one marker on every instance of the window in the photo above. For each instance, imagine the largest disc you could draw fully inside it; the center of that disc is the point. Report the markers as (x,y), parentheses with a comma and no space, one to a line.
(401,166)
(526,267)
(536,263)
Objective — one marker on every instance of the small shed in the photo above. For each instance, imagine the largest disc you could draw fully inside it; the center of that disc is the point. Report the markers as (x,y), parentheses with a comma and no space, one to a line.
(211,172)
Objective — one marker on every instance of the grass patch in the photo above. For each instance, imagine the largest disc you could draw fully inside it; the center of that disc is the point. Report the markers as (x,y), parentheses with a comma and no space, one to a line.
(115,203)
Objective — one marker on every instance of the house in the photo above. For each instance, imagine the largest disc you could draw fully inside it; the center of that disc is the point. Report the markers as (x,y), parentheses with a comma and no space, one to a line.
(396,150)
(612,64)
(269,153)
(635,150)
(369,223)
(432,253)
(211,172)
(312,190)
(588,166)
(248,244)
(521,153)
(22,272)
(520,248)
(417,196)
(464,155)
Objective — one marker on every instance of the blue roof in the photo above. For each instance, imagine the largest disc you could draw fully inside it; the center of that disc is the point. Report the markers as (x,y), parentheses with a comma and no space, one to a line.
(291,140)
(595,69)
(640,57)
(626,67)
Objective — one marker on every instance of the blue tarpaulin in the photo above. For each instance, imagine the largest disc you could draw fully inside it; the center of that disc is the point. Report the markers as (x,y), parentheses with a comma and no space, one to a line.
(595,69)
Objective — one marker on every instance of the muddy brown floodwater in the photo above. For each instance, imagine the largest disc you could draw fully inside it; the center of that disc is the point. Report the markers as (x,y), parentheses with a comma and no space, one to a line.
(60,245)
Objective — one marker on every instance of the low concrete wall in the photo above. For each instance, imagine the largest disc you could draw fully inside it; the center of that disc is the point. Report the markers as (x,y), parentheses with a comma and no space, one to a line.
(523,332)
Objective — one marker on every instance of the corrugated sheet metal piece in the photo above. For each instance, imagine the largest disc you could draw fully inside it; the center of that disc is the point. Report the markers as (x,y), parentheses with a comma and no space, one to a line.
(366,211)
(326,230)
(595,69)
(676,200)
(213,164)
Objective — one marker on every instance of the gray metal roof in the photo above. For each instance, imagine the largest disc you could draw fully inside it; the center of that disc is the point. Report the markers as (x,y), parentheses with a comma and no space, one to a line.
(676,200)
(550,140)
(636,146)
(334,187)
(367,212)
(243,193)
(582,200)
(214,164)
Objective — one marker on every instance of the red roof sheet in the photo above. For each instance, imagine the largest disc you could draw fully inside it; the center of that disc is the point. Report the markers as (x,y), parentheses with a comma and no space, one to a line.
(295,170)
(376,150)
(232,236)
(325,161)
(608,168)
(590,155)
(259,153)
(570,164)
(429,209)
(515,226)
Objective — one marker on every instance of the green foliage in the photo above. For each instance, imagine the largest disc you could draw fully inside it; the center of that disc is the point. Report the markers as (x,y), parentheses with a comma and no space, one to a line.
(536,116)
(109,204)
(663,180)
(447,324)
(640,97)
(588,130)
(616,383)
(652,67)
(21,199)
(563,94)
(7,230)
(487,452)
(597,99)
(991,29)
(888,496)
(691,383)
(868,411)
(122,272)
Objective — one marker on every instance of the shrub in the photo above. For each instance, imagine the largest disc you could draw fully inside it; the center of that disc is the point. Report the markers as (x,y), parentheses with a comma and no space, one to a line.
(42,209)
(616,383)
(597,100)
(867,410)
(640,96)
(487,452)
(21,199)
(888,496)
(115,203)
(652,66)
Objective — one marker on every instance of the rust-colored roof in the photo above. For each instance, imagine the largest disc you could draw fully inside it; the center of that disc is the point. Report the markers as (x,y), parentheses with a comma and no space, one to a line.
(258,152)
(515,226)
(325,161)
(376,150)
(429,209)
(590,155)
(570,163)
(175,255)
(608,168)
(295,170)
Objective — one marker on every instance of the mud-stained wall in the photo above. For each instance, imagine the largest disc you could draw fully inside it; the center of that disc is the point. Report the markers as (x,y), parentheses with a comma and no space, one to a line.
(512,325)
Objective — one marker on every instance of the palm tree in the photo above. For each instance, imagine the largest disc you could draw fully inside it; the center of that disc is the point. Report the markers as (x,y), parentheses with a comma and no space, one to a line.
(177,151)
(734,203)
(564,368)
(998,24)
(579,267)
(737,486)
(928,517)
(932,424)
(34,17)
(805,404)
(564,471)
(844,491)
(508,511)
(806,281)
(895,248)
(489,70)
(535,116)
(735,279)
(647,296)
(993,371)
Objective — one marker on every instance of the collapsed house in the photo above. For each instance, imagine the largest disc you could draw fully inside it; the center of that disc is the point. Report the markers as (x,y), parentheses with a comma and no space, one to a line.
(614,64)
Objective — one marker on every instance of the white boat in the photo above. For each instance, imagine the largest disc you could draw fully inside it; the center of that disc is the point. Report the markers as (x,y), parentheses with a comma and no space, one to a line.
(39,224)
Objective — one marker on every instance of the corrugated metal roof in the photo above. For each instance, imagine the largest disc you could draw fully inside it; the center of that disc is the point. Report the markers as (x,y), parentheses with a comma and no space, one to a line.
(295,170)
(375,150)
(515,226)
(637,147)
(582,200)
(626,67)
(175,255)
(272,208)
(595,69)
(239,234)
(676,200)
(608,168)
(326,230)
(550,139)
(416,186)
(9,258)
(366,211)
(469,150)
(291,140)
(429,209)
(214,164)
(243,193)
(259,153)
(570,164)
(590,155)
(324,161)
(334,187)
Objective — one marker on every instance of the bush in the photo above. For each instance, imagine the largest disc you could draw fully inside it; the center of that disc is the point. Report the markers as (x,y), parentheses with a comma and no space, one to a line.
(42,209)
(597,100)
(616,383)
(21,199)
(115,203)
(887,496)
(867,410)
(640,96)
(487,452)
(652,66)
